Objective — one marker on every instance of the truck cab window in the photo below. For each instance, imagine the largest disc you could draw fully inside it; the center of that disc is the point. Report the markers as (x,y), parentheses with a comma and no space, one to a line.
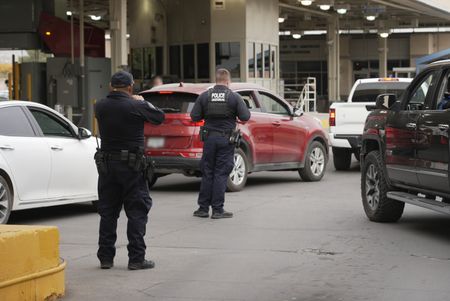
(419,96)
(443,99)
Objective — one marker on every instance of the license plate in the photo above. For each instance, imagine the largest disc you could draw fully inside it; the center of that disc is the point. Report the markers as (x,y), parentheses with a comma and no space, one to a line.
(155,142)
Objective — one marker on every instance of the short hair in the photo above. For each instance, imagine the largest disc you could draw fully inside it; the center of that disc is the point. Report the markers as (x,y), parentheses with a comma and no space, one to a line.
(222,75)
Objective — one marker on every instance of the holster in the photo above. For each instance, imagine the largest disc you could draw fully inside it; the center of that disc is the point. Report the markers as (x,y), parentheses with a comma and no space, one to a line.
(203,133)
(236,138)
(149,171)
(100,162)
(137,161)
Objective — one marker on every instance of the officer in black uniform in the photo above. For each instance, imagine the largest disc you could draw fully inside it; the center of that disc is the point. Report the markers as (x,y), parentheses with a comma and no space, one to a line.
(219,107)
(121,164)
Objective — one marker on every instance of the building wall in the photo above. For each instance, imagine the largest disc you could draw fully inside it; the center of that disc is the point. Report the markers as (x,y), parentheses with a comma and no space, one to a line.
(427,43)
(147,24)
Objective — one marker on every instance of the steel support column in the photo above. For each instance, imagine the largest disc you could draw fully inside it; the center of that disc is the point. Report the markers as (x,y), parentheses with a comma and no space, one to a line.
(333,58)
(382,56)
(118,26)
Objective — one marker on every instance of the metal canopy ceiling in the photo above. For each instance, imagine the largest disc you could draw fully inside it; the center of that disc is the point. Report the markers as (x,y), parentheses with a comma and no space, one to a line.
(390,14)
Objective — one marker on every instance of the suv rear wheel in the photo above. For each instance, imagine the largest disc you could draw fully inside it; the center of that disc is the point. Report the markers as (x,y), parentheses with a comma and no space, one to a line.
(315,163)
(342,158)
(238,176)
(378,207)
(6,200)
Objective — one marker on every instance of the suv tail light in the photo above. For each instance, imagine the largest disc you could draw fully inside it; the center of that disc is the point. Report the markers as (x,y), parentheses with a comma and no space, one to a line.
(193,123)
(332,120)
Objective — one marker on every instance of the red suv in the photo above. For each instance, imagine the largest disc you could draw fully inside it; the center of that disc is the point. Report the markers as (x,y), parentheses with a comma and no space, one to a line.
(277,137)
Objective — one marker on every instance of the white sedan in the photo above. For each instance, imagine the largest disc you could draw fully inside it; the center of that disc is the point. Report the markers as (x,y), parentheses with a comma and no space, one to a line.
(45,160)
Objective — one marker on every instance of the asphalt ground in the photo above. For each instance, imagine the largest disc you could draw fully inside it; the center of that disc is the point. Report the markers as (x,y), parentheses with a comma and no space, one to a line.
(289,240)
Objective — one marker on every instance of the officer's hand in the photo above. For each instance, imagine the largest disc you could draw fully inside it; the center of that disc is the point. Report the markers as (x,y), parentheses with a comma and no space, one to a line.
(138,97)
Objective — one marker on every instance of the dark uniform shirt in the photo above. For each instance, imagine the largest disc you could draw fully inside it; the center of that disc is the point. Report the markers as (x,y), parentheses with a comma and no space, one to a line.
(121,121)
(234,100)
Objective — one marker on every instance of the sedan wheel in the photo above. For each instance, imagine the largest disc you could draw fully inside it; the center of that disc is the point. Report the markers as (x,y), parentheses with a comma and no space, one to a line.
(238,176)
(5,201)
(315,163)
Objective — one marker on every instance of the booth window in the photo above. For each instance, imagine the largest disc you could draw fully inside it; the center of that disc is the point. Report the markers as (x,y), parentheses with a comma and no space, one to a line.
(273,56)
(251,59)
(159,60)
(174,60)
(203,60)
(228,56)
(266,52)
(136,63)
(148,62)
(188,62)
(259,60)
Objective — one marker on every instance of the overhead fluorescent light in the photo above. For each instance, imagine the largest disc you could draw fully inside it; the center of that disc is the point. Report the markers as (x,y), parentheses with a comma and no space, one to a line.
(306,2)
(68,13)
(371,18)
(341,11)
(95,18)
(325,6)
(296,36)
(281,19)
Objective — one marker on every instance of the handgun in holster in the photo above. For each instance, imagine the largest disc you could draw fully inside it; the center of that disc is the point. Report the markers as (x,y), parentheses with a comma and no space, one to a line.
(236,138)
(203,133)
(136,161)
(100,162)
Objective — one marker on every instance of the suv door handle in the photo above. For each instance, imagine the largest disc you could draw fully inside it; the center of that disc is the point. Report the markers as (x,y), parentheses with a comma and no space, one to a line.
(443,127)
(56,148)
(6,147)
(276,123)
(411,125)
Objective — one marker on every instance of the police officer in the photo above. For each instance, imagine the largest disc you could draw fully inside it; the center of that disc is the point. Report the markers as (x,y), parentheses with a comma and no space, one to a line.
(121,165)
(219,107)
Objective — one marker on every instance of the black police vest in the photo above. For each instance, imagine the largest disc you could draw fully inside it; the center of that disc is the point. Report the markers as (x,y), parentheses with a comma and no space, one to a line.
(218,106)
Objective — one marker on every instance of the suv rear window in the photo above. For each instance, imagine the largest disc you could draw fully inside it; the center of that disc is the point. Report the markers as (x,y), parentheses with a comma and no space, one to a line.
(368,92)
(172,102)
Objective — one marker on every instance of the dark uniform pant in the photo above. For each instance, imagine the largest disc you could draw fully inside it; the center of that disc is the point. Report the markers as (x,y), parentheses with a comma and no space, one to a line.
(122,186)
(216,165)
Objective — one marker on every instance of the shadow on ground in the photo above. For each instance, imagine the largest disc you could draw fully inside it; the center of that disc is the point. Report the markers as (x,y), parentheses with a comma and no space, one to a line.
(39,215)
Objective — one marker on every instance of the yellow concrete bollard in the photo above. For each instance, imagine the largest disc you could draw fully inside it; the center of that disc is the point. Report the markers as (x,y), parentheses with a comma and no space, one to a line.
(30,267)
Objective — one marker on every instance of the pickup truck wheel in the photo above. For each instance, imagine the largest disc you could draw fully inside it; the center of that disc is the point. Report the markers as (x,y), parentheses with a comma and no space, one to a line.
(378,207)
(315,163)
(238,176)
(342,158)
(6,201)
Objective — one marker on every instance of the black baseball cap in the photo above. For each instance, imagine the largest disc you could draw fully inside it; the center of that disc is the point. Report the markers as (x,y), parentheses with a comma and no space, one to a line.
(121,79)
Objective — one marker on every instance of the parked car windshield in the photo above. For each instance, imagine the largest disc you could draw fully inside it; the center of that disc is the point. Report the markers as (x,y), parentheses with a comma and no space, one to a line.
(172,102)
(368,92)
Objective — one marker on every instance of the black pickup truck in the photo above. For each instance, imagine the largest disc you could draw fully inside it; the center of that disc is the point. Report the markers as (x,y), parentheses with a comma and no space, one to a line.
(405,148)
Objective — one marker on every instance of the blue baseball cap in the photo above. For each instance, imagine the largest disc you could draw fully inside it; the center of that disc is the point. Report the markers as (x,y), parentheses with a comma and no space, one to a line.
(121,79)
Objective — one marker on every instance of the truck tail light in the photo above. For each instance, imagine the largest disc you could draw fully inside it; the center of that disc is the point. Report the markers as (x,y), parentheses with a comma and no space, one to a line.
(332,120)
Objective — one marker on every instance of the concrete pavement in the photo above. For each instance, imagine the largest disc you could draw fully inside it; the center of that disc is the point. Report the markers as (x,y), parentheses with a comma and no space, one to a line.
(289,240)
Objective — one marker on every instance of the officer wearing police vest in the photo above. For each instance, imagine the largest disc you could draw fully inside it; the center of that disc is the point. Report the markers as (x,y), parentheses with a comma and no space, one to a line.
(121,165)
(219,107)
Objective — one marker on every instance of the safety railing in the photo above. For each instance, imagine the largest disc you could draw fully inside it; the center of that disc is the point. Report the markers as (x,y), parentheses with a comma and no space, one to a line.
(303,94)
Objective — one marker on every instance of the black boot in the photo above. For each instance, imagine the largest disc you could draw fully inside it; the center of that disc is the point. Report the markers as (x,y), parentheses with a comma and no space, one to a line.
(201,213)
(106,265)
(145,265)
(223,214)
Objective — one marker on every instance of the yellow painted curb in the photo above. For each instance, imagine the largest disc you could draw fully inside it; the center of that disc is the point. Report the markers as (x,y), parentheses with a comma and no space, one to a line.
(30,267)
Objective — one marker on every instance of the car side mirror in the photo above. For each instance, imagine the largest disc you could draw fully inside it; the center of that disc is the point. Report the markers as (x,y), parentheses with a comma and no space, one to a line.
(297,112)
(385,101)
(84,133)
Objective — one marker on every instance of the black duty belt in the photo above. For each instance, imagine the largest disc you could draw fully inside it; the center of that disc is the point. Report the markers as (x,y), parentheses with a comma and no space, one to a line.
(118,156)
(219,133)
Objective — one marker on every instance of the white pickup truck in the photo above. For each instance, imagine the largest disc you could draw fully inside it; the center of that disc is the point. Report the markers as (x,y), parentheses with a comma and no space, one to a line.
(347,118)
